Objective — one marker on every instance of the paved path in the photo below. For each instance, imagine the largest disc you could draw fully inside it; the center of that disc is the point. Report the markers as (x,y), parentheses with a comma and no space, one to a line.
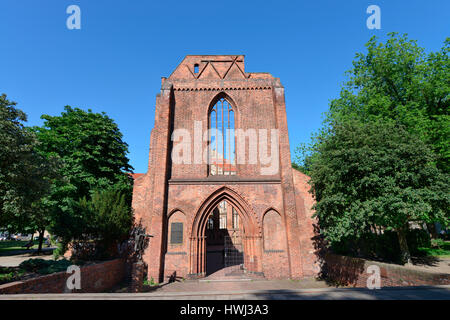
(236,285)
(15,260)
(408,293)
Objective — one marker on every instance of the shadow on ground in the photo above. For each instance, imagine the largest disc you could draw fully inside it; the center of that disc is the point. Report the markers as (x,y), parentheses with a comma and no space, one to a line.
(398,293)
(426,261)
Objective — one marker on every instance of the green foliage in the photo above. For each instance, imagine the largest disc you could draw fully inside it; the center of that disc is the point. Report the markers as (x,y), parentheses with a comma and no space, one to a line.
(14,245)
(440,243)
(381,158)
(438,248)
(9,274)
(90,146)
(109,218)
(394,81)
(46,171)
(376,174)
(302,159)
(397,81)
(305,154)
(25,174)
(418,238)
(93,156)
(42,266)
(61,248)
(150,282)
(39,266)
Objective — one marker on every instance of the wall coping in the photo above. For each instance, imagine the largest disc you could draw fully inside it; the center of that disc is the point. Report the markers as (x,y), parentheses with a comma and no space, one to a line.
(53,275)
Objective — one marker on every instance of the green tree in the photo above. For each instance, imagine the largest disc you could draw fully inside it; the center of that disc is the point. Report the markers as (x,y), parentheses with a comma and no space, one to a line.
(397,81)
(303,158)
(93,157)
(26,175)
(109,219)
(376,174)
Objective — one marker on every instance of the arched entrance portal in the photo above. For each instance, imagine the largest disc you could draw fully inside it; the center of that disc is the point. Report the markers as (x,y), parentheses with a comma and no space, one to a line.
(217,241)
(224,248)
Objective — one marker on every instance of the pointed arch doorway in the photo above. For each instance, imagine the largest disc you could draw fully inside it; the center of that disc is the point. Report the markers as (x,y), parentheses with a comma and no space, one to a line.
(225,238)
(224,247)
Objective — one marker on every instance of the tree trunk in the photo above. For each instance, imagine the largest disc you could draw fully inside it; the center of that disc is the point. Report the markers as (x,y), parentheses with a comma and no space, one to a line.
(404,251)
(41,239)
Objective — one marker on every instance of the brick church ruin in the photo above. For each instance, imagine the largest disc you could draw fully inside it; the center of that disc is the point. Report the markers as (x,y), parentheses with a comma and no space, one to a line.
(220,192)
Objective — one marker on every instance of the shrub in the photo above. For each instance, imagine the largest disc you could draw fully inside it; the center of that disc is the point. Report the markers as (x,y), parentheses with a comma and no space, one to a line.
(42,266)
(150,282)
(8,274)
(108,221)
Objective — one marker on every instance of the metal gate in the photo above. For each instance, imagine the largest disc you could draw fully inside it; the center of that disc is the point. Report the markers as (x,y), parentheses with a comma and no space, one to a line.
(233,253)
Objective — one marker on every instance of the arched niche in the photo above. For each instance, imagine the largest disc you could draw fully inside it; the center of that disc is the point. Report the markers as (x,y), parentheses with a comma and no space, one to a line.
(177,230)
(274,233)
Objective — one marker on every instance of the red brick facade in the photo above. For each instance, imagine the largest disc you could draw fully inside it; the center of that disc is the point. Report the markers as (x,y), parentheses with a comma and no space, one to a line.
(274,209)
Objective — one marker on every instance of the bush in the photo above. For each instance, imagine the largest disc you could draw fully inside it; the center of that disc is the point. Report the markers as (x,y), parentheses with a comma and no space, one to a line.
(61,248)
(108,224)
(8,274)
(150,282)
(42,266)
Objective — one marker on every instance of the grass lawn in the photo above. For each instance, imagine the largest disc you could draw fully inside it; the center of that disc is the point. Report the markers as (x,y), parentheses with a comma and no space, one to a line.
(439,248)
(8,274)
(12,245)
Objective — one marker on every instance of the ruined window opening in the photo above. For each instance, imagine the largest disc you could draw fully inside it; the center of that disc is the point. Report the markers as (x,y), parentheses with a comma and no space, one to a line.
(235,219)
(222,153)
(222,214)
(210,224)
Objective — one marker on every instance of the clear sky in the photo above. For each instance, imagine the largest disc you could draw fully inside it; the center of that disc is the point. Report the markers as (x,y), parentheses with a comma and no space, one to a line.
(115,62)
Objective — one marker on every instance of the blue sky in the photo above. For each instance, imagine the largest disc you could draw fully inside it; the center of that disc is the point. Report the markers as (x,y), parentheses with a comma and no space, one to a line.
(116,61)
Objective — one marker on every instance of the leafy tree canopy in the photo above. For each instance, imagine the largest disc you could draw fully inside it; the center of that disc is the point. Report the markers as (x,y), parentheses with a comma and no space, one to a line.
(25,174)
(397,81)
(394,81)
(90,146)
(93,156)
(376,174)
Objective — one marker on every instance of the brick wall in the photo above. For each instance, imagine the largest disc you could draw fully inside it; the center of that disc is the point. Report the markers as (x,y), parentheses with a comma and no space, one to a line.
(349,271)
(94,278)
(308,232)
(184,102)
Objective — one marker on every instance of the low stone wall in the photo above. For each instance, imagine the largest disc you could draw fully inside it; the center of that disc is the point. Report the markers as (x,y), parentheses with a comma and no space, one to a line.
(349,271)
(94,278)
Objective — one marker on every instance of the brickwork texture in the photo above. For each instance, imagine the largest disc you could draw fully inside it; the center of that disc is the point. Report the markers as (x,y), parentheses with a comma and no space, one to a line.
(94,278)
(275,204)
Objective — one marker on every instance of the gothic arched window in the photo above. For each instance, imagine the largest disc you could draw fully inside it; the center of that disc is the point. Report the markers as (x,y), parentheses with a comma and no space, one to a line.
(222,155)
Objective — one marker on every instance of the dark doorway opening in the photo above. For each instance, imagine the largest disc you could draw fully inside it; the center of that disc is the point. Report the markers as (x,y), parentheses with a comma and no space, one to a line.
(224,248)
